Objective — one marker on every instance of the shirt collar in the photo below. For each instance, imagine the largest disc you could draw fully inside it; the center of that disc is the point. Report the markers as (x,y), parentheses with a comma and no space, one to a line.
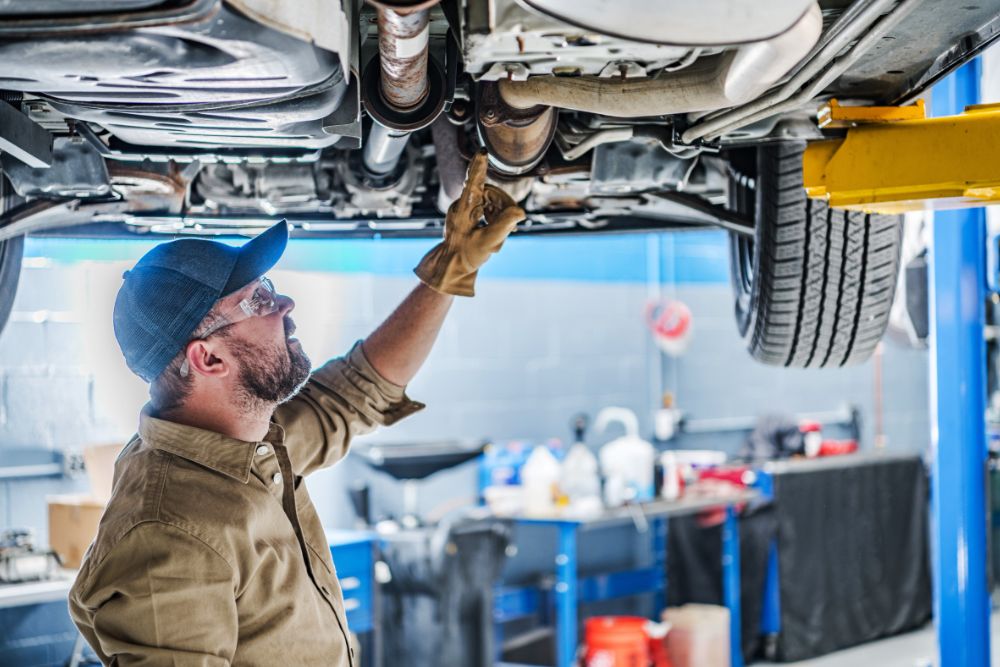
(213,450)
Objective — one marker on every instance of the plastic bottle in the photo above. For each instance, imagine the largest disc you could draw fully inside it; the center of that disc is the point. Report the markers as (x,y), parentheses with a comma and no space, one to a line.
(627,462)
(673,481)
(580,480)
(812,438)
(540,479)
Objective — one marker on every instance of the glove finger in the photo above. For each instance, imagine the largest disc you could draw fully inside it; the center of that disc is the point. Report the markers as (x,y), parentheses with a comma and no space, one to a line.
(498,204)
(497,232)
(510,216)
(496,198)
(472,193)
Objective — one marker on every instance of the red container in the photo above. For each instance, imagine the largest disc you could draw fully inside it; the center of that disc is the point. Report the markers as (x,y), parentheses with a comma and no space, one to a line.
(624,641)
(838,447)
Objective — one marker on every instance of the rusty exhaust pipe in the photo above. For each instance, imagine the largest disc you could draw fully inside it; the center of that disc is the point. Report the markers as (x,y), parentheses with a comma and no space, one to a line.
(403,88)
(402,49)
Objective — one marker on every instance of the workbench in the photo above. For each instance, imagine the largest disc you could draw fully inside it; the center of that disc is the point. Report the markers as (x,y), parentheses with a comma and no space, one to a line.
(570,591)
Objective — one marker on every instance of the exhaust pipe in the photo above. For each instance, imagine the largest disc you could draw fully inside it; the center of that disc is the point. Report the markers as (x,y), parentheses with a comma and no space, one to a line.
(383,149)
(403,88)
(402,48)
(723,81)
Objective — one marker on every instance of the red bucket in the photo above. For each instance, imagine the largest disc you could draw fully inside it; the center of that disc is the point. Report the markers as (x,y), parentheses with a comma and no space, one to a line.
(624,641)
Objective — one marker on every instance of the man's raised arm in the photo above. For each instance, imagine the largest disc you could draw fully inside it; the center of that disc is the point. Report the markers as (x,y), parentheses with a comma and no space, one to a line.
(399,347)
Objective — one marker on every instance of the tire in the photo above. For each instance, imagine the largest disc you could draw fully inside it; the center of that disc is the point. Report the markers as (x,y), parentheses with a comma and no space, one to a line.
(813,286)
(11,252)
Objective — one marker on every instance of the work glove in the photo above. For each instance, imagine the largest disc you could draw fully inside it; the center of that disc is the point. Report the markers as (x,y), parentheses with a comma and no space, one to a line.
(451,266)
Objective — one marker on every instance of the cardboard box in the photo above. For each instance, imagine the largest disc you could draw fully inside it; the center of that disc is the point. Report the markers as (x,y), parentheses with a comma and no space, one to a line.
(73,524)
(73,519)
(100,463)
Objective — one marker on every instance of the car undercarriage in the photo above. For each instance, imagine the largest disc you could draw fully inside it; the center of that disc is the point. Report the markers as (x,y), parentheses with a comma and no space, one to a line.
(204,117)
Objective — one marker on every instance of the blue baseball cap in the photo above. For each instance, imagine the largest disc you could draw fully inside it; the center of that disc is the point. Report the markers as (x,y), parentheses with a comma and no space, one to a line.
(172,288)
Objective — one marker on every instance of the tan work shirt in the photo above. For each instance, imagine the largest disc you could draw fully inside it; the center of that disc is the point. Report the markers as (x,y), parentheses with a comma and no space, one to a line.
(210,552)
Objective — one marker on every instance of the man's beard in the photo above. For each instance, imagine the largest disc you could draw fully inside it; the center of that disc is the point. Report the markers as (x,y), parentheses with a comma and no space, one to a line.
(270,376)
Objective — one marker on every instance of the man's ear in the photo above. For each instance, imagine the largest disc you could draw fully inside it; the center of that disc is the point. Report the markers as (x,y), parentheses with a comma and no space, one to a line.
(203,358)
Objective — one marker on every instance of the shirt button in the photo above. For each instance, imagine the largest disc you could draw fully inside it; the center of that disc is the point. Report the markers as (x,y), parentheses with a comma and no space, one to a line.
(262,450)
(277,478)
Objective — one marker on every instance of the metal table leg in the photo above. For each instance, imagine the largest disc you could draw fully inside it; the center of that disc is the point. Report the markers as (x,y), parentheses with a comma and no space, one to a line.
(660,563)
(566,596)
(77,656)
(770,622)
(731,583)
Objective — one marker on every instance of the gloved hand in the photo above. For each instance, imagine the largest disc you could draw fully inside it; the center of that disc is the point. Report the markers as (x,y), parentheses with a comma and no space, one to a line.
(451,266)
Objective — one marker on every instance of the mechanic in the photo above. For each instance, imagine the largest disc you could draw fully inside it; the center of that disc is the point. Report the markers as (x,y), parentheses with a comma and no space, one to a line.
(210,551)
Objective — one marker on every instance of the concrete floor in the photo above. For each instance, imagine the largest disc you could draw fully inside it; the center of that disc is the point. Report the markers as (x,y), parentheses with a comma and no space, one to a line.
(915,649)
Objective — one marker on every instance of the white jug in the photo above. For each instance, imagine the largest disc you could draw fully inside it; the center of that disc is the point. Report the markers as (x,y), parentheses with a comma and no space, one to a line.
(540,479)
(626,462)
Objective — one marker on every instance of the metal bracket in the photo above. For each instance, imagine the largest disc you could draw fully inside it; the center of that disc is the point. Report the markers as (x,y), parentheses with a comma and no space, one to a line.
(724,218)
(833,115)
(78,171)
(24,139)
(509,71)
(346,118)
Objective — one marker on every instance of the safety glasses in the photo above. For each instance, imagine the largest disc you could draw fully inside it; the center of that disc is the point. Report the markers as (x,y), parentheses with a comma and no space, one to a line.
(262,302)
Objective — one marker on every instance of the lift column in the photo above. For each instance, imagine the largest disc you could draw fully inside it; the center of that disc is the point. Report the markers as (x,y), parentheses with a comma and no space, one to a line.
(958,404)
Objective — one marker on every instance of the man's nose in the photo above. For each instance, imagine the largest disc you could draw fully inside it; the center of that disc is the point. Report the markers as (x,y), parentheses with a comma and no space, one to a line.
(285,304)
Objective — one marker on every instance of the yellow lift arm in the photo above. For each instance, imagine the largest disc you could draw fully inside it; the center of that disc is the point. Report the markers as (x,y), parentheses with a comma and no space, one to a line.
(895,159)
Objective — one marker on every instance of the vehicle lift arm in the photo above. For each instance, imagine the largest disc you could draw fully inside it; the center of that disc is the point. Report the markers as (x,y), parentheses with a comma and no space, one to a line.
(895,159)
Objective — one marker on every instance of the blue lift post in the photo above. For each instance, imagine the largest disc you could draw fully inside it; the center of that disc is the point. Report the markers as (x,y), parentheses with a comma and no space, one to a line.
(958,403)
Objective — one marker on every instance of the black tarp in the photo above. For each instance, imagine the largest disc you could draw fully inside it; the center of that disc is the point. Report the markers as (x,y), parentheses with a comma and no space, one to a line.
(853,555)
(852,552)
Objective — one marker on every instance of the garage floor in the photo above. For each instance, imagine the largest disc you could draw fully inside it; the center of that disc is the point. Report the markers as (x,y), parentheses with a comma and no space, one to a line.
(915,649)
